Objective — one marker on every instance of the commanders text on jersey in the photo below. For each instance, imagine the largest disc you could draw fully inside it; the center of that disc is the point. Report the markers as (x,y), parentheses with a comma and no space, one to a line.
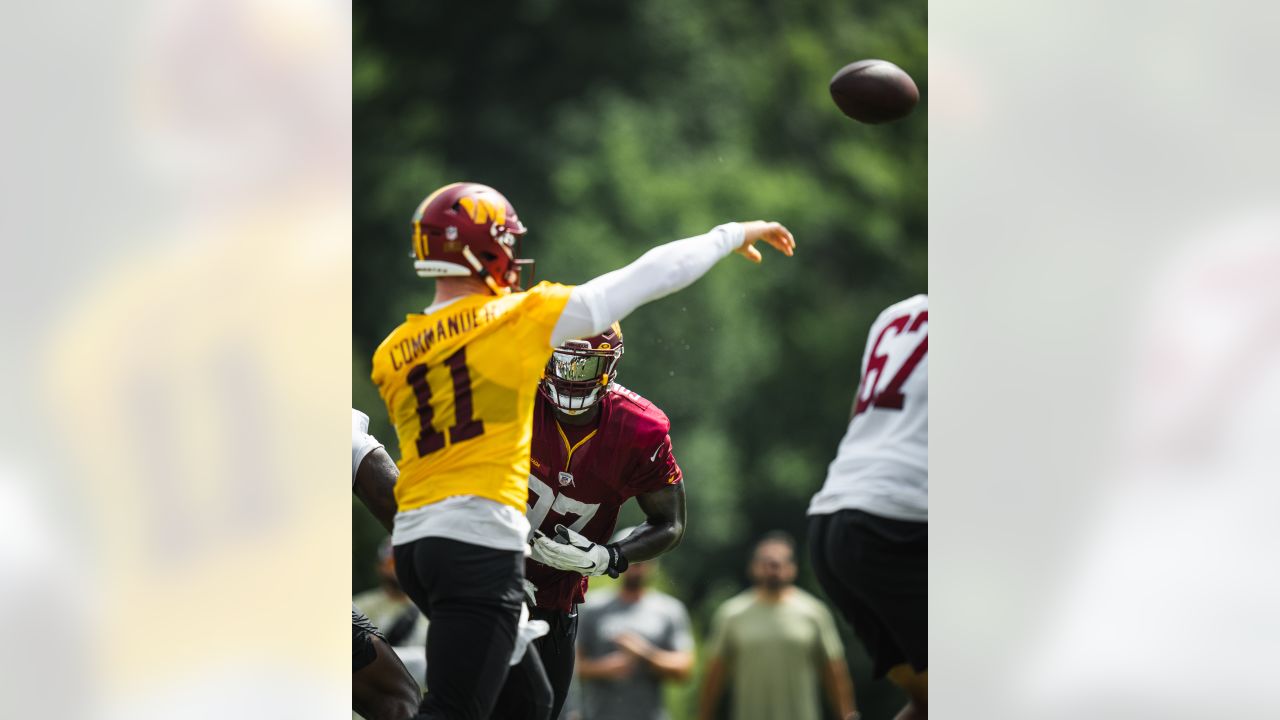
(411,347)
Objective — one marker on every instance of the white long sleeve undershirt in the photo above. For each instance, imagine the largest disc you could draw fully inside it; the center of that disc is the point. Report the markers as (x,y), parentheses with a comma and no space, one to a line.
(595,305)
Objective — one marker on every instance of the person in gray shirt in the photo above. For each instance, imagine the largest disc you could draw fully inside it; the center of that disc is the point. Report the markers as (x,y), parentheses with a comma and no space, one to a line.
(629,643)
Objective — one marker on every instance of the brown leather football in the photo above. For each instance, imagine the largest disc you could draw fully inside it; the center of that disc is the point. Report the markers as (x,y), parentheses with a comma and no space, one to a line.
(874,91)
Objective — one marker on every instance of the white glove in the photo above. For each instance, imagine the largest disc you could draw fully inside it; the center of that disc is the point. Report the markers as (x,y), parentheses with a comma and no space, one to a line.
(571,551)
(527,631)
(531,592)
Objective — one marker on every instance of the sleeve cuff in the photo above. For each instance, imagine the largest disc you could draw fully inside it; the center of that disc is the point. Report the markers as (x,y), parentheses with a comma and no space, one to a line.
(730,236)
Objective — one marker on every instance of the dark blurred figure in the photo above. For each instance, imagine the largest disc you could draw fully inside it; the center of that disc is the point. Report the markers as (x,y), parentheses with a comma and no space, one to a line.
(382,688)
(629,643)
(776,645)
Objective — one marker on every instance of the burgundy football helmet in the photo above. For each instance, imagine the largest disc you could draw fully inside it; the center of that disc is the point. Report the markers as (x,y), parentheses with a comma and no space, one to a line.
(580,371)
(468,229)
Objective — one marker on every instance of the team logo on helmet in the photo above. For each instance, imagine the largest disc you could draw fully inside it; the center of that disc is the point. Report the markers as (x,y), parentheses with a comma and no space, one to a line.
(482,211)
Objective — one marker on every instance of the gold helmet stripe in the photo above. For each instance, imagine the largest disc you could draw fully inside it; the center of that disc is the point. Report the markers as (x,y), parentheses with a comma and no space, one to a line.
(420,237)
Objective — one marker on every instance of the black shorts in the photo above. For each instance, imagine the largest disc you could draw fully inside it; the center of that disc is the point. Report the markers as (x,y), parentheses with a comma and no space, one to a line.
(876,570)
(472,596)
(362,634)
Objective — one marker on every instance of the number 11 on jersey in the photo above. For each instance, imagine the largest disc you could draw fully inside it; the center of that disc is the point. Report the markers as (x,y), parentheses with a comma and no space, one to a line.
(466,426)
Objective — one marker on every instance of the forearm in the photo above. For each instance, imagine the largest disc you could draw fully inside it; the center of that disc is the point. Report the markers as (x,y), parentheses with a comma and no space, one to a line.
(670,664)
(384,511)
(840,689)
(651,539)
(592,669)
(663,526)
(712,686)
(596,304)
(589,670)
(375,486)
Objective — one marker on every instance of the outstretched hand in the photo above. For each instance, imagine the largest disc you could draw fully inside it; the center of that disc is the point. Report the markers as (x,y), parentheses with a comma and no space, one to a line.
(772,233)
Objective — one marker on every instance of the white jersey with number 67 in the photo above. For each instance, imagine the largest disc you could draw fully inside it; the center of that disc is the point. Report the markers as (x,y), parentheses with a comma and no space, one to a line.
(882,466)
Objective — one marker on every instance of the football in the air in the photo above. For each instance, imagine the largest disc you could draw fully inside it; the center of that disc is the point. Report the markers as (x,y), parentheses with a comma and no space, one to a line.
(874,91)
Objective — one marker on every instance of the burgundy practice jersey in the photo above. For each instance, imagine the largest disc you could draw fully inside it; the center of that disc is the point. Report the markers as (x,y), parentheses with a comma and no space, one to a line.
(581,477)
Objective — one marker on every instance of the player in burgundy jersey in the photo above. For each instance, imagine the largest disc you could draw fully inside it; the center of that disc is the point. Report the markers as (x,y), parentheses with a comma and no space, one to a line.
(596,444)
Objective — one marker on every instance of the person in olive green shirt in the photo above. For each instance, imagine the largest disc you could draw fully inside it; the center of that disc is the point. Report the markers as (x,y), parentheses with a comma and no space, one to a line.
(776,645)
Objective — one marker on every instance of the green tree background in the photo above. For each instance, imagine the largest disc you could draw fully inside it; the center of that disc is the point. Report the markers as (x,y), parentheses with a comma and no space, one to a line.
(615,126)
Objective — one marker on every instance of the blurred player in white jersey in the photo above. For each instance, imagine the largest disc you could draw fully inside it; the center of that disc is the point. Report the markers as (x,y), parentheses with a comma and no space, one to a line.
(381,687)
(869,525)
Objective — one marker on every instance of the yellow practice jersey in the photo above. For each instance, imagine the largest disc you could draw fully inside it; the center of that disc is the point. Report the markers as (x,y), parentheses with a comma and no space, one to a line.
(460,385)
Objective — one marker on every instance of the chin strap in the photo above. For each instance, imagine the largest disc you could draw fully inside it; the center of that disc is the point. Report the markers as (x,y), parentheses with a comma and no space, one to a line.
(482,273)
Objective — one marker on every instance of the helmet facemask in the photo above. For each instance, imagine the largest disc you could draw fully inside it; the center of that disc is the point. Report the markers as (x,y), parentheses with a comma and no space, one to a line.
(500,269)
(510,242)
(577,375)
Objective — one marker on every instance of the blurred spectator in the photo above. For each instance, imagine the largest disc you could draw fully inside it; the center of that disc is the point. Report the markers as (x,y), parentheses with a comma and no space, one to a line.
(776,645)
(390,609)
(629,643)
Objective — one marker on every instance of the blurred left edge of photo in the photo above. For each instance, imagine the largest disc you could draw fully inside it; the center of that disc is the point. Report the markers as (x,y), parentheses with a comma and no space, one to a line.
(178,357)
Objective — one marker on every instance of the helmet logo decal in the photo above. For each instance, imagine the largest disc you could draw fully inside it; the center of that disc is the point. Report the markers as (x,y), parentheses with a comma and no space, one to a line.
(451,232)
(482,211)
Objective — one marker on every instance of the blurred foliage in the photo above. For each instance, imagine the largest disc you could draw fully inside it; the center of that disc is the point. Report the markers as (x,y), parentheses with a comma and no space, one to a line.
(614,127)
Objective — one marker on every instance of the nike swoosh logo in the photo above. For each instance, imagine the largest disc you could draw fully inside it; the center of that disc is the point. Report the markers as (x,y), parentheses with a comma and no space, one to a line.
(654,457)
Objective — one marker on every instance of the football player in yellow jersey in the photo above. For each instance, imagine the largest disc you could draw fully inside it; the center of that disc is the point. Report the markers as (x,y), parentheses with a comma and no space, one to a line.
(459,381)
